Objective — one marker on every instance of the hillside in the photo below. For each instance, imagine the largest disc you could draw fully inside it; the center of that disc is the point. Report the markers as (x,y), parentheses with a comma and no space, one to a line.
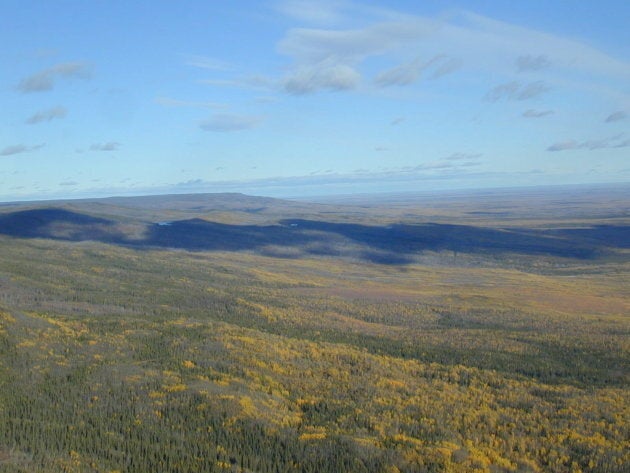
(426,333)
(397,232)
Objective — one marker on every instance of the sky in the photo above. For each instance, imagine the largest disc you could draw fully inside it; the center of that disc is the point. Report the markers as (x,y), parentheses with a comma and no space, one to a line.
(303,98)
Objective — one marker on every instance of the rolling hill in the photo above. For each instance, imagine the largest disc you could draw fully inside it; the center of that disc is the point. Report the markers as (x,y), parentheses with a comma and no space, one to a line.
(483,332)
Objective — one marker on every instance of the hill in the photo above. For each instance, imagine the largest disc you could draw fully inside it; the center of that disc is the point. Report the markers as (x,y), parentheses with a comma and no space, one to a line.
(399,233)
(455,333)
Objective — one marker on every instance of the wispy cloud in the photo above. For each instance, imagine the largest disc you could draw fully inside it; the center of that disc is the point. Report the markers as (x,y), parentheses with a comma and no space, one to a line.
(313,46)
(14,149)
(467,40)
(45,80)
(253,82)
(18,149)
(329,59)
(109,146)
(532,63)
(204,62)
(534,89)
(410,72)
(320,12)
(448,66)
(502,39)
(617,141)
(516,91)
(440,166)
(616,116)
(536,113)
(337,77)
(170,102)
(230,122)
(436,171)
(462,156)
(403,74)
(47,115)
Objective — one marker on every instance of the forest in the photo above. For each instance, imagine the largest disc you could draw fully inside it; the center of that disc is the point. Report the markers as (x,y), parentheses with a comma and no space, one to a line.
(484,333)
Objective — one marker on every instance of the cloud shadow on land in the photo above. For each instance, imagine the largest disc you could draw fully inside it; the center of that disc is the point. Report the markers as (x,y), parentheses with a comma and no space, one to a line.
(293,238)
(58,224)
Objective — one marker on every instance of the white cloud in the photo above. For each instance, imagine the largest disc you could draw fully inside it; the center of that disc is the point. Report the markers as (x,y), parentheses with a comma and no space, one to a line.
(230,122)
(397,121)
(47,115)
(504,40)
(403,74)
(536,113)
(448,66)
(532,63)
(307,45)
(109,146)
(516,91)
(319,12)
(462,156)
(466,40)
(310,79)
(616,116)
(204,62)
(533,89)
(591,145)
(18,149)
(437,171)
(329,59)
(253,82)
(170,102)
(410,72)
(45,80)
(14,149)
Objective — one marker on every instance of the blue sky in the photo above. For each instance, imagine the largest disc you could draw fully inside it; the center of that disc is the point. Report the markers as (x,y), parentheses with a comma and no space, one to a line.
(294,97)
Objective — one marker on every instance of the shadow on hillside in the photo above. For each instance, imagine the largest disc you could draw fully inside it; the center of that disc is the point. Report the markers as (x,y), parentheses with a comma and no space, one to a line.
(606,235)
(395,244)
(58,224)
(410,239)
